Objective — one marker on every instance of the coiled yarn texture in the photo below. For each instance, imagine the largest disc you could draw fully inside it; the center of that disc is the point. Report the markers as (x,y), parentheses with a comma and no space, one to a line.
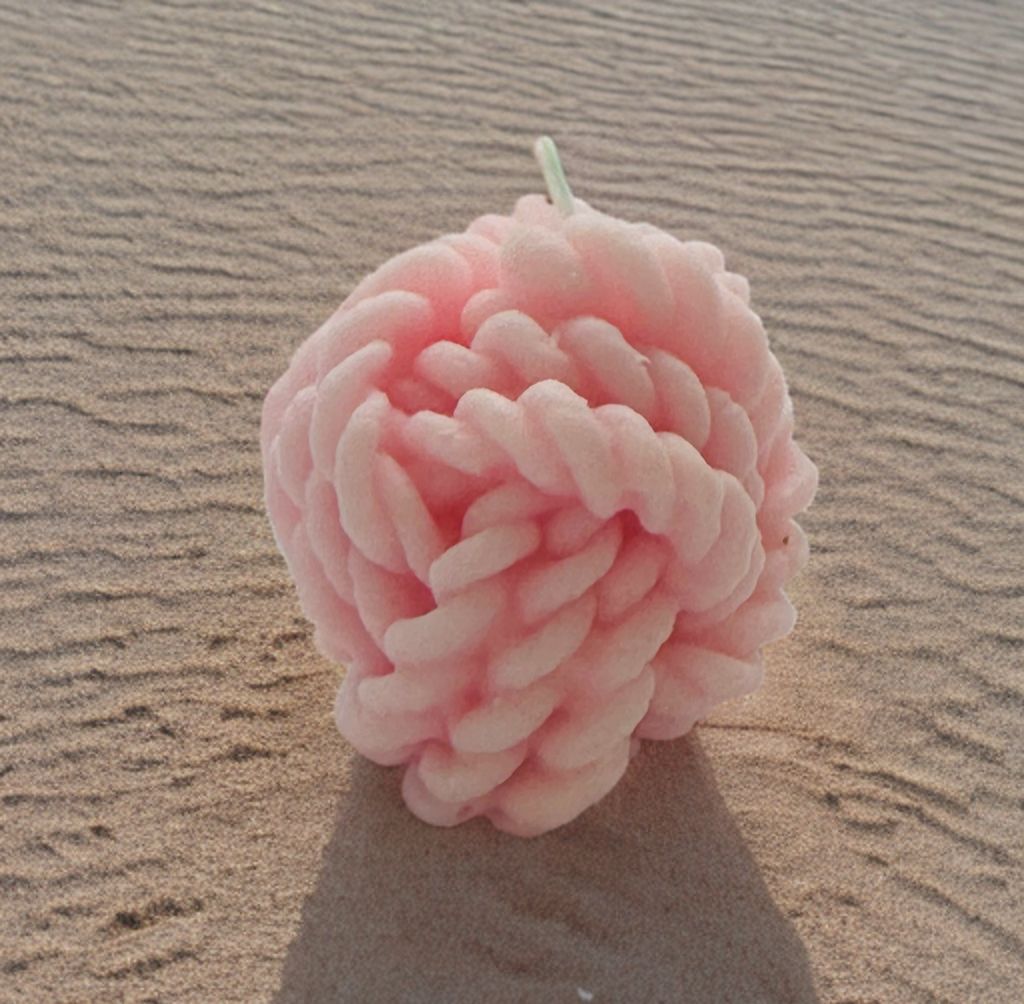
(535,484)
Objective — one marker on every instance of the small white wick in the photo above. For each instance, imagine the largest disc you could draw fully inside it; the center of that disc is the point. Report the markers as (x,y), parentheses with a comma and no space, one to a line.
(554,177)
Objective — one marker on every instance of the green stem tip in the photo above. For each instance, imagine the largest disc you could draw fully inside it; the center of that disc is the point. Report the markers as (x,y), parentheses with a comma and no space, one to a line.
(554,177)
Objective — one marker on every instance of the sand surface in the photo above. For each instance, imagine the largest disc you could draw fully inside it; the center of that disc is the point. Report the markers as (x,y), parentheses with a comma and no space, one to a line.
(188,190)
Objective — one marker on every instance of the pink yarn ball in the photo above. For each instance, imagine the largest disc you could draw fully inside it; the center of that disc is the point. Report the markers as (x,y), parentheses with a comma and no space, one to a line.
(535,483)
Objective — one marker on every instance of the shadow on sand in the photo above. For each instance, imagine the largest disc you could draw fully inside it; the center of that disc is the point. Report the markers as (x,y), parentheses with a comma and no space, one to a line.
(651,896)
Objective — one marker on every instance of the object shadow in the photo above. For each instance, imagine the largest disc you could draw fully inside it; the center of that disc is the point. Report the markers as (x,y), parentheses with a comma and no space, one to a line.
(650,896)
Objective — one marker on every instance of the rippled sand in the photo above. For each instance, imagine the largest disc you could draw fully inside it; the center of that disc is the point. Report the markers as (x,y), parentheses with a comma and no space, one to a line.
(187,192)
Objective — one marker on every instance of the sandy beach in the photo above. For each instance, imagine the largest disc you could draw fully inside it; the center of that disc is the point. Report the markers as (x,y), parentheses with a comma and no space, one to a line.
(189,190)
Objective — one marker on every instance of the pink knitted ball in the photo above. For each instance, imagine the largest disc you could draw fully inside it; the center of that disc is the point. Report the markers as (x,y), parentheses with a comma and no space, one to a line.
(535,483)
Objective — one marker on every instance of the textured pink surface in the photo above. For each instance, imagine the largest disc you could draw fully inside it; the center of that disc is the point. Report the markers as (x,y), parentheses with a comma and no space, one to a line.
(536,484)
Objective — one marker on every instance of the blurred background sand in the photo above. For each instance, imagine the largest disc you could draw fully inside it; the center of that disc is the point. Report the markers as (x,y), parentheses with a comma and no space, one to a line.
(188,190)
